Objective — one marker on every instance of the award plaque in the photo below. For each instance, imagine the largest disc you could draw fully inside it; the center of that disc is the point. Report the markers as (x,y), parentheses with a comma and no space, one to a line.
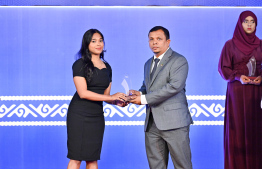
(251,66)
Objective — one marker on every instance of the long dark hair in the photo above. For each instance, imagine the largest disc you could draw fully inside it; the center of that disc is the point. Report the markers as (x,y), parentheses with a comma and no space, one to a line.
(86,55)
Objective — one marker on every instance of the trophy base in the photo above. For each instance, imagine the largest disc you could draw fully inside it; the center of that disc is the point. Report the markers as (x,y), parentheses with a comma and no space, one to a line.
(128,98)
(252,77)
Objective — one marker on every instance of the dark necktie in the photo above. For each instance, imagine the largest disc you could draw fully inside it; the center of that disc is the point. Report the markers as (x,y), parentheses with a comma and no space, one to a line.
(154,68)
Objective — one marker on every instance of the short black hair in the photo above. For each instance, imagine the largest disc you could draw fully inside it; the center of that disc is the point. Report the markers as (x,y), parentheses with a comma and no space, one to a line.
(156,28)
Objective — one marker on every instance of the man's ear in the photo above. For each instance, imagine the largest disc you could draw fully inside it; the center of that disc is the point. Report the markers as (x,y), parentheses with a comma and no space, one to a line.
(168,41)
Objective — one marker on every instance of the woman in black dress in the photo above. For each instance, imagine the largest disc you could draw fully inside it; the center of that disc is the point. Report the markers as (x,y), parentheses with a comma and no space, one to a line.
(85,119)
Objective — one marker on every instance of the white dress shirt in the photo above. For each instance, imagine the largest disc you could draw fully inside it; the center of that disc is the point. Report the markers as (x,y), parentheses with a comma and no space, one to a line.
(143,97)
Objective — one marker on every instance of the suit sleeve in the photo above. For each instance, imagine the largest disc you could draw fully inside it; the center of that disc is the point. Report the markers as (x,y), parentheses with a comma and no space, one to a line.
(176,83)
(143,88)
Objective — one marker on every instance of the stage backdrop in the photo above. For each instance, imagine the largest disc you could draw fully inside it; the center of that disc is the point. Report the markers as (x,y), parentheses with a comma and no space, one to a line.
(38,47)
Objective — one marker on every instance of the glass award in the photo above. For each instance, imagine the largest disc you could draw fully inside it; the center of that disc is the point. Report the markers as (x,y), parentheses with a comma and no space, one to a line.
(126,84)
(129,97)
(251,66)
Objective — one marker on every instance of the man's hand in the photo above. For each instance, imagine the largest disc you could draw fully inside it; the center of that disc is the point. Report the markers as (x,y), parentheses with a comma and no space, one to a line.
(135,99)
(134,93)
(244,79)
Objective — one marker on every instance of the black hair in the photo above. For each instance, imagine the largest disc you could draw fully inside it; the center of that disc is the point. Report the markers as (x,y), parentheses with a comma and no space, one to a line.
(156,28)
(86,55)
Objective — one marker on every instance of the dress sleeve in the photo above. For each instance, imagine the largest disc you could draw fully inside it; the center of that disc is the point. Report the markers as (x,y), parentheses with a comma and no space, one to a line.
(225,65)
(260,65)
(78,68)
(110,73)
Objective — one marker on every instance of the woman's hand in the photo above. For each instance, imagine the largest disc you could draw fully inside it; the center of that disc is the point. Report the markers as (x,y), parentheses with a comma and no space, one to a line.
(121,103)
(119,97)
(257,81)
(244,79)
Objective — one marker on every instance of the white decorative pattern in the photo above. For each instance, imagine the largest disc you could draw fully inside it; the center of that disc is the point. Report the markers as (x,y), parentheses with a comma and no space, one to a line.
(61,111)
(205,112)
(4,110)
(111,111)
(22,110)
(108,123)
(25,98)
(195,110)
(43,111)
(130,110)
(214,110)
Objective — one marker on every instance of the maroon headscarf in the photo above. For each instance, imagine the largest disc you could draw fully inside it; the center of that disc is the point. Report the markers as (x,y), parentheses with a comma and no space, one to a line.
(246,43)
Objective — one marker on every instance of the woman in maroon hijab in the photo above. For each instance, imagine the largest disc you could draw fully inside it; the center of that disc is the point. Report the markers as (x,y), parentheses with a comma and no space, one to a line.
(243,114)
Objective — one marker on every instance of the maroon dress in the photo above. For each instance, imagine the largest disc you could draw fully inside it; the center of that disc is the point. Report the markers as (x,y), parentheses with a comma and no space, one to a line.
(243,113)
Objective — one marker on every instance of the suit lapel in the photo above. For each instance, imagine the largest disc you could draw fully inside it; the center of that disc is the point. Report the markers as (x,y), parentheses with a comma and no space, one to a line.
(148,70)
(161,65)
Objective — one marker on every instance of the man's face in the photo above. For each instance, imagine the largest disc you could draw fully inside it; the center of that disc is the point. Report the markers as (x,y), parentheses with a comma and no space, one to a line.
(158,43)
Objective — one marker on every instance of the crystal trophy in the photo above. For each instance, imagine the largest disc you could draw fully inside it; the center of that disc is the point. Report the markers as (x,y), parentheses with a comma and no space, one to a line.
(126,87)
(251,66)
(129,97)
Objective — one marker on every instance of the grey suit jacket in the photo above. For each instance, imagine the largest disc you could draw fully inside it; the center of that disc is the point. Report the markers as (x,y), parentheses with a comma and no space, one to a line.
(165,92)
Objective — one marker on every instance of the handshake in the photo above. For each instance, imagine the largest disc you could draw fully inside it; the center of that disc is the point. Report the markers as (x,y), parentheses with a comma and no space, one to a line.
(123,100)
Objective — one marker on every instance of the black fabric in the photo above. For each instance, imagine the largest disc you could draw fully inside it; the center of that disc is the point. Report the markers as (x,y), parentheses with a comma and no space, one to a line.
(85,118)
(99,82)
(84,137)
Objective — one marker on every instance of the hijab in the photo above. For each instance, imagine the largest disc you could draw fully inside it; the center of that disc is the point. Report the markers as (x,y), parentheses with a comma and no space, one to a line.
(246,43)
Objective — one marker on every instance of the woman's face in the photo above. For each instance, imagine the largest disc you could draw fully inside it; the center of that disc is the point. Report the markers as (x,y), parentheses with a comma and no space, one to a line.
(96,45)
(249,25)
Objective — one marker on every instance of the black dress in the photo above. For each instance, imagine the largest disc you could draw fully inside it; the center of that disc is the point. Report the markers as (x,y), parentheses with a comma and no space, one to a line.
(85,118)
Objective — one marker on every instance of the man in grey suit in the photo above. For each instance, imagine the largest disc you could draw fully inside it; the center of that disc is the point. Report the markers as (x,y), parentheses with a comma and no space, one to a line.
(163,92)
